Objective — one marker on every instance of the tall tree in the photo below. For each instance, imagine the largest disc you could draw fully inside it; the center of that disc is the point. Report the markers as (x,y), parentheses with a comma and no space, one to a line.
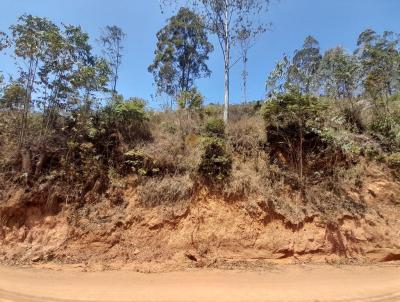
(181,53)
(245,42)
(297,74)
(4,43)
(338,73)
(379,57)
(55,65)
(226,18)
(277,81)
(31,38)
(112,40)
(305,65)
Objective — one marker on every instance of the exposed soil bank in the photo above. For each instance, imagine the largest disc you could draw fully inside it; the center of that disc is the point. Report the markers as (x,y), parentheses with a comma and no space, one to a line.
(278,284)
(206,231)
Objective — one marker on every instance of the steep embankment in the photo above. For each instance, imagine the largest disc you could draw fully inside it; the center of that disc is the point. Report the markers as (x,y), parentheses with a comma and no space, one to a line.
(206,231)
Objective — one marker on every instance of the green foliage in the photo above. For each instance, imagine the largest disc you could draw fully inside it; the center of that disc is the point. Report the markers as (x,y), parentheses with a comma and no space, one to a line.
(297,74)
(191,99)
(126,119)
(350,144)
(305,64)
(216,163)
(131,110)
(13,97)
(111,40)
(181,54)
(380,61)
(338,73)
(139,163)
(215,127)
(386,122)
(292,120)
(293,107)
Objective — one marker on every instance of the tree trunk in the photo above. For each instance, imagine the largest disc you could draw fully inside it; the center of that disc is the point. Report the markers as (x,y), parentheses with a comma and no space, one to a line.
(227,62)
(245,75)
(26,161)
(301,154)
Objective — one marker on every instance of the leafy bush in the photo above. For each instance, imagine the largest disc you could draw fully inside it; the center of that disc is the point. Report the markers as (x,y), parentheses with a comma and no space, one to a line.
(127,118)
(292,122)
(215,127)
(191,99)
(387,130)
(216,163)
(292,108)
(143,164)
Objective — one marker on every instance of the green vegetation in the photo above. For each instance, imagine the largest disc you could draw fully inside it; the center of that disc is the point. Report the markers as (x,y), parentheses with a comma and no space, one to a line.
(181,53)
(63,122)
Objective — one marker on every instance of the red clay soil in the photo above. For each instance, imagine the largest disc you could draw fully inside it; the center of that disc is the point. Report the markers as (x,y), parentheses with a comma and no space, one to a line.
(206,231)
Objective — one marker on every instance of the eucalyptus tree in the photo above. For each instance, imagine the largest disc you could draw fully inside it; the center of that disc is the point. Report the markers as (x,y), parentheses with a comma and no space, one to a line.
(31,38)
(181,53)
(380,61)
(339,73)
(71,71)
(305,63)
(90,80)
(277,81)
(56,69)
(245,40)
(226,19)
(297,74)
(112,40)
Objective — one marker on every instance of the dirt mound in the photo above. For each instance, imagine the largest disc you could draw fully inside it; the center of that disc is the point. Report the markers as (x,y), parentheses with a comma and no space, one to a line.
(205,231)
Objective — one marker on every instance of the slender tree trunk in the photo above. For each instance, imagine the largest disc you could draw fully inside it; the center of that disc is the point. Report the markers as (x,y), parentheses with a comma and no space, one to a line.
(26,159)
(26,106)
(301,153)
(117,63)
(114,89)
(227,62)
(245,76)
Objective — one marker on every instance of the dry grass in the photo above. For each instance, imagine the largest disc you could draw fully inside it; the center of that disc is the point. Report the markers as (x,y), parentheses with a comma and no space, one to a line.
(167,190)
(247,136)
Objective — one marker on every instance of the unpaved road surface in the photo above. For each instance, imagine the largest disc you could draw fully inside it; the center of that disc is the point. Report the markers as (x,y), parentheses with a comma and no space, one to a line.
(281,283)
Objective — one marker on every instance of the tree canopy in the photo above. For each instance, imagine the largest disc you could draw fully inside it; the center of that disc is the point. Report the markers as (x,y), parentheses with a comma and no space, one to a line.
(181,53)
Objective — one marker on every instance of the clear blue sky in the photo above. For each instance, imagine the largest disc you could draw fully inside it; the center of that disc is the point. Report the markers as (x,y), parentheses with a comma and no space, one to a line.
(332,22)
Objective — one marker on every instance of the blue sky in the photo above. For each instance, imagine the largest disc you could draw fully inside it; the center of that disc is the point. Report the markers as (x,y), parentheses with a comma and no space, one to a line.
(331,22)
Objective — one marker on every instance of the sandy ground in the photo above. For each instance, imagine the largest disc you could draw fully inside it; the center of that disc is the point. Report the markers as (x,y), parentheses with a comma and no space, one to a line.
(316,283)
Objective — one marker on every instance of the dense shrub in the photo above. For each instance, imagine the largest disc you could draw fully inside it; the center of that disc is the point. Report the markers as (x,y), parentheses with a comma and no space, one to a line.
(191,99)
(216,163)
(291,123)
(215,127)
(128,118)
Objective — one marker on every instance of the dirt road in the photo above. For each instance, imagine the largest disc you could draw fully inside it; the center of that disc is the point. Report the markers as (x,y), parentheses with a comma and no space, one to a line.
(281,283)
